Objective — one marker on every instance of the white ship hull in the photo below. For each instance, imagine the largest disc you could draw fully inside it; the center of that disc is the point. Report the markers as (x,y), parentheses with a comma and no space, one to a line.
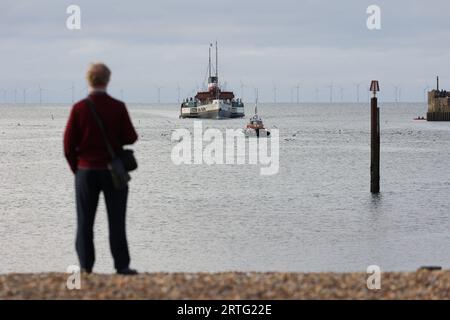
(261,133)
(218,109)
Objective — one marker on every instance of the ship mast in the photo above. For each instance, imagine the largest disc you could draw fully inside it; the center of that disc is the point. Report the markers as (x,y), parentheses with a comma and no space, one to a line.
(213,81)
(217,73)
(209,64)
(256,102)
(217,63)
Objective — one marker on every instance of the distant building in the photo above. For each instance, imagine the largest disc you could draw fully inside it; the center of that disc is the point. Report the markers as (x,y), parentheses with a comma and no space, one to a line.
(438,104)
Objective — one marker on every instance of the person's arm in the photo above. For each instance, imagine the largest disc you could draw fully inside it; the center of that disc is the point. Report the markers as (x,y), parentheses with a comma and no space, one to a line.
(71,139)
(128,134)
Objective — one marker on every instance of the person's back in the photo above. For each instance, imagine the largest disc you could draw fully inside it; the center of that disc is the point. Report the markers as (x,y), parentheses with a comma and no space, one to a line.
(84,131)
(87,154)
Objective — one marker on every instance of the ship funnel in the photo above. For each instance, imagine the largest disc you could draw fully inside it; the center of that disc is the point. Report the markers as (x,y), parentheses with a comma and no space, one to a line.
(213,80)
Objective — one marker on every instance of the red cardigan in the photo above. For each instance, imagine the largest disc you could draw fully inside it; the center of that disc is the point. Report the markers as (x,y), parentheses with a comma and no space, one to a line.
(84,146)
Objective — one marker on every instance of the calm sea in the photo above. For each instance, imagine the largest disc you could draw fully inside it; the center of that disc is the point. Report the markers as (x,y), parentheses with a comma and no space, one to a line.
(316,214)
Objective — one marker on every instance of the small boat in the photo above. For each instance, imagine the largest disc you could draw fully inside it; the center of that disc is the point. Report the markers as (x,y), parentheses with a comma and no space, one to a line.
(420,118)
(255,127)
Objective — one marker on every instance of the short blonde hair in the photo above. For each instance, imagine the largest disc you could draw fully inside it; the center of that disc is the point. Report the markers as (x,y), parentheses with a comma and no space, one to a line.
(98,75)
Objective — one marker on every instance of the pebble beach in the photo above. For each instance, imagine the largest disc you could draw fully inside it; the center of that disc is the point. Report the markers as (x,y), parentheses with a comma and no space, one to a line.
(422,284)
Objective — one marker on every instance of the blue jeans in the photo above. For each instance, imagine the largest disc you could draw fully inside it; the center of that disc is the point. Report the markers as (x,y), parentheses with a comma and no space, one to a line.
(88,185)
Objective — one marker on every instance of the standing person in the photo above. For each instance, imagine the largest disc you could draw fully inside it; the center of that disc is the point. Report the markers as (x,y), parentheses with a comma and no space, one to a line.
(87,155)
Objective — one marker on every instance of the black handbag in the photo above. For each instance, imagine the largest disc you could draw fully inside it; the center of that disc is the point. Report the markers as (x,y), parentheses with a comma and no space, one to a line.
(128,159)
(122,162)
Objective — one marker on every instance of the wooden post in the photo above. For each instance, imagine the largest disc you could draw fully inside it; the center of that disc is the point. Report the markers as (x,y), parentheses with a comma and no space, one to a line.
(374,141)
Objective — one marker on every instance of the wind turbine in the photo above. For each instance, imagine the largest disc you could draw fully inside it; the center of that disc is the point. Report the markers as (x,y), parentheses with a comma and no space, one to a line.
(72,88)
(425,90)
(242,91)
(40,94)
(357,91)
(25,95)
(317,95)
(274,94)
(72,92)
(342,93)
(158,89)
(396,93)
(331,92)
(4,95)
(178,92)
(298,93)
(225,84)
(193,91)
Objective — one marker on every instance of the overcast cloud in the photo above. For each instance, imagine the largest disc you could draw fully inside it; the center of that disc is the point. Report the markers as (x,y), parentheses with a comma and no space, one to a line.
(263,44)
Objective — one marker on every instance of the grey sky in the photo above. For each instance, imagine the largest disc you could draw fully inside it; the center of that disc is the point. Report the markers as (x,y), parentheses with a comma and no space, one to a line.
(262,43)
